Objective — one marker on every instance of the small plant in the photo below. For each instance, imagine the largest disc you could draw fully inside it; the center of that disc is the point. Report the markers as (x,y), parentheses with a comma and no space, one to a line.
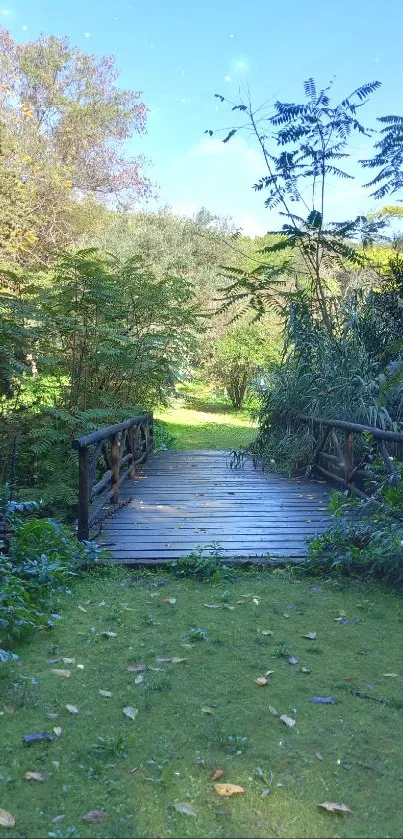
(280,651)
(196,634)
(200,566)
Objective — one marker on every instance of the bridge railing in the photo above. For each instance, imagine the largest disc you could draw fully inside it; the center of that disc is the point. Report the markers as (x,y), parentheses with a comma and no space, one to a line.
(106,457)
(350,453)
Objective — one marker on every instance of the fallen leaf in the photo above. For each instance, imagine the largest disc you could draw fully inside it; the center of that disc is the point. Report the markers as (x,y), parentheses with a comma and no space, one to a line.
(107,633)
(170,600)
(8,709)
(213,605)
(176,660)
(310,635)
(218,773)
(57,730)
(261,681)
(64,673)
(269,672)
(135,668)
(80,667)
(81,608)
(139,679)
(72,709)
(286,615)
(390,675)
(228,789)
(273,711)
(267,632)
(323,700)
(6,819)
(227,606)
(94,816)
(333,807)
(292,659)
(106,693)
(160,660)
(287,720)
(319,755)
(34,776)
(255,601)
(51,716)
(185,808)
(36,737)
(207,710)
(305,670)
(130,712)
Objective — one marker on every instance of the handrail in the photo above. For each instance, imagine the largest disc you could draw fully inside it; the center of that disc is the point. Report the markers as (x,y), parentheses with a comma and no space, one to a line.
(393,436)
(348,465)
(101,458)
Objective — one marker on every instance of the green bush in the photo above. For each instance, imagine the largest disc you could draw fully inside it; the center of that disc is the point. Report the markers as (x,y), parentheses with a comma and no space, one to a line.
(201,566)
(366,540)
(43,557)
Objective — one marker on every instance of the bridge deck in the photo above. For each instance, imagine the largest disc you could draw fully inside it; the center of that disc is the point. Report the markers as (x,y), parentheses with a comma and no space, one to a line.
(187,499)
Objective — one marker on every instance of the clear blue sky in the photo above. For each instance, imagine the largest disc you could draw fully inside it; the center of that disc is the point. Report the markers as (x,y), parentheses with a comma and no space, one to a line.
(181,52)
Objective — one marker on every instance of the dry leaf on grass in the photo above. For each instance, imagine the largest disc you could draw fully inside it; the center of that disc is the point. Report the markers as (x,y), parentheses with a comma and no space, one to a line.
(94,816)
(135,668)
(81,608)
(269,672)
(218,773)
(292,659)
(319,755)
(34,776)
(286,615)
(334,807)
(6,819)
(130,712)
(273,711)
(287,720)
(176,660)
(139,679)
(71,709)
(213,605)
(206,710)
(261,681)
(64,673)
(267,632)
(390,675)
(305,670)
(68,660)
(106,693)
(8,709)
(170,600)
(228,789)
(310,635)
(161,660)
(185,808)
(57,730)
(107,633)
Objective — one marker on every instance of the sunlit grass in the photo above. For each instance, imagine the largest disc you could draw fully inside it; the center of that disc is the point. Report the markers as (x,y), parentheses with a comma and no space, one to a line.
(201,419)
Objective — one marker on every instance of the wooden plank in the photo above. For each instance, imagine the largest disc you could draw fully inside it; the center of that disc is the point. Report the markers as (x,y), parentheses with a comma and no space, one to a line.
(191,499)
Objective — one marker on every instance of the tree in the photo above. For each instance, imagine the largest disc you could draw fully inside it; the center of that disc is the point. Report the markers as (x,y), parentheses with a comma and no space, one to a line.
(68,123)
(302,145)
(237,359)
(388,158)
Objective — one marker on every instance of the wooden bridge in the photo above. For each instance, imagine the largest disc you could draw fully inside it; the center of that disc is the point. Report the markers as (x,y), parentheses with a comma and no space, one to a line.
(149,507)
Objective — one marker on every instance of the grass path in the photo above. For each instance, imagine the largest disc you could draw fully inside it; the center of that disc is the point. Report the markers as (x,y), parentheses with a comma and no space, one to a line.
(205,712)
(199,420)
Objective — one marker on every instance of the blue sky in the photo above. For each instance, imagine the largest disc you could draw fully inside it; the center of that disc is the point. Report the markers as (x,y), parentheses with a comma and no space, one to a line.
(181,52)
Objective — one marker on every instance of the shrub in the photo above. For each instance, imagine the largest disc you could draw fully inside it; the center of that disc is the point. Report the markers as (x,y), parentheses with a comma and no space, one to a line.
(200,566)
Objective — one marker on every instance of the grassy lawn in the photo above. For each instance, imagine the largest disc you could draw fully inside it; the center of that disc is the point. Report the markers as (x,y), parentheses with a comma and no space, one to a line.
(206,712)
(200,419)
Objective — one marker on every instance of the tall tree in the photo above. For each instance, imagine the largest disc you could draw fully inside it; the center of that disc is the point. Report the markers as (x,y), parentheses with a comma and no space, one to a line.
(68,122)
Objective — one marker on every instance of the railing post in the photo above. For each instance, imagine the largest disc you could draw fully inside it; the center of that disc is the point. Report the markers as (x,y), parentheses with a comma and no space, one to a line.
(115,455)
(83,494)
(130,446)
(348,456)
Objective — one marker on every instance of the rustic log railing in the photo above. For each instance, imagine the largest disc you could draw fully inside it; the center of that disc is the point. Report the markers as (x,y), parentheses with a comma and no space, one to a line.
(340,457)
(105,459)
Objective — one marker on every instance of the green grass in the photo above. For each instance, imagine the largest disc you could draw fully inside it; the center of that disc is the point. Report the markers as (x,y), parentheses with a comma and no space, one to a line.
(173,745)
(200,419)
